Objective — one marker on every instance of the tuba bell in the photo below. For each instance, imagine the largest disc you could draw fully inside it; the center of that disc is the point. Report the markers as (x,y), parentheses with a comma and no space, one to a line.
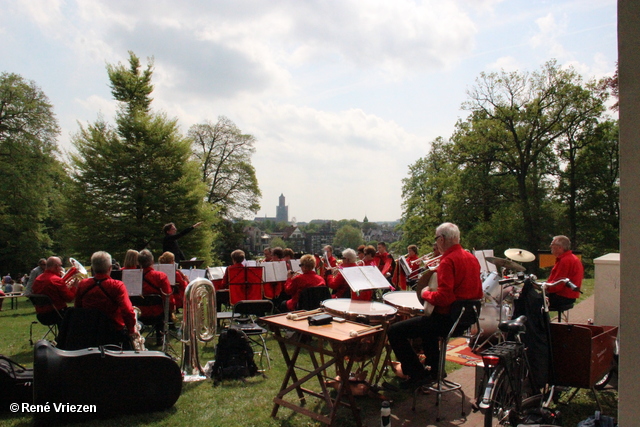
(198,325)
(76,271)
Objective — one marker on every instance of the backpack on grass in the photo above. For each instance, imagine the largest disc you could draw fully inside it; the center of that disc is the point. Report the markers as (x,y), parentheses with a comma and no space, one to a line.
(234,356)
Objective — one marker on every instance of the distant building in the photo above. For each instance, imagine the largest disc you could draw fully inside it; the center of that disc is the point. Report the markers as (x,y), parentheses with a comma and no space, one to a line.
(282,211)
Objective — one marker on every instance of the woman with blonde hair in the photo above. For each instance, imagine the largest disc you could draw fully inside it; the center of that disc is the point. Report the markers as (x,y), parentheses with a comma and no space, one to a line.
(130,260)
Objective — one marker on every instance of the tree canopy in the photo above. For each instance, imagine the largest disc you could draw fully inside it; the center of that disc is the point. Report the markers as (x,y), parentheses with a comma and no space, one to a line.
(30,174)
(512,172)
(128,180)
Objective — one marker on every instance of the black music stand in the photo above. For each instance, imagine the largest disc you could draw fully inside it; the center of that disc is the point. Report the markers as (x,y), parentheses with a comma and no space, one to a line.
(191,264)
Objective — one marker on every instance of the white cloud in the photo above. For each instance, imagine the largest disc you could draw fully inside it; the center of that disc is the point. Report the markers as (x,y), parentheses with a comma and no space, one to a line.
(506,63)
(547,37)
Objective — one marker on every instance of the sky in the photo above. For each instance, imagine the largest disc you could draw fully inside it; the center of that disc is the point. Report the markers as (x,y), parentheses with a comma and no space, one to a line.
(341,96)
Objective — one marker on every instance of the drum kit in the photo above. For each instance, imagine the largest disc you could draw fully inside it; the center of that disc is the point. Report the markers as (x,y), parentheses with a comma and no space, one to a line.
(498,293)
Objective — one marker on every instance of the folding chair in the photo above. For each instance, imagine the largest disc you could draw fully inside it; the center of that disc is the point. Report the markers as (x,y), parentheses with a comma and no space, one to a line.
(158,324)
(464,313)
(51,320)
(312,298)
(248,311)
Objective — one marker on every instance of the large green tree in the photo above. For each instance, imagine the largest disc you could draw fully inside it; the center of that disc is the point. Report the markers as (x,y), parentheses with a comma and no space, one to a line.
(130,179)
(224,154)
(522,119)
(30,173)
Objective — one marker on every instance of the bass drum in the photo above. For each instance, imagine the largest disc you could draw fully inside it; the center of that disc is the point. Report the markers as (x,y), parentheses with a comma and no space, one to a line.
(366,312)
(489,319)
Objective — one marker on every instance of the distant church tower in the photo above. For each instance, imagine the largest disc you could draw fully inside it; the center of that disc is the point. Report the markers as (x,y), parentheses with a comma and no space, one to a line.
(282,211)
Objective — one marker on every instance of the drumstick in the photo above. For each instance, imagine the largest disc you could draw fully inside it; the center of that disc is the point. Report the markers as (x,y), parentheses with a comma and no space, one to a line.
(304,314)
(362,331)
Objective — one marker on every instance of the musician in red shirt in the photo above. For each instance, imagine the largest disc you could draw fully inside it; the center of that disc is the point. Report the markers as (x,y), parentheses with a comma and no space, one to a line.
(328,254)
(386,263)
(153,282)
(458,279)
(50,283)
(109,296)
(181,282)
(296,282)
(340,286)
(567,266)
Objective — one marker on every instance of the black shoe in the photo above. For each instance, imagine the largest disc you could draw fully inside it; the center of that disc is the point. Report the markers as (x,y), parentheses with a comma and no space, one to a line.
(415,382)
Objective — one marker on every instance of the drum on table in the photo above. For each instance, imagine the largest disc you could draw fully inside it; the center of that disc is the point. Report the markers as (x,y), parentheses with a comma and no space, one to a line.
(406,302)
(367,312)
(489,319)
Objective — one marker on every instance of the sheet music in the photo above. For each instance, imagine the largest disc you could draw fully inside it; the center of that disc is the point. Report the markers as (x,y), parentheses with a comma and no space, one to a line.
(193,273)
(250,263)
(274,271)
(132,279)
(364,278)
(295,265)
(405,265)
(169,270)
(485,266)
(216,273)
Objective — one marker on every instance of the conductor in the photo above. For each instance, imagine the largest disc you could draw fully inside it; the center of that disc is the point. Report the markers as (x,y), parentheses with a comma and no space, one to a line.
(171,236)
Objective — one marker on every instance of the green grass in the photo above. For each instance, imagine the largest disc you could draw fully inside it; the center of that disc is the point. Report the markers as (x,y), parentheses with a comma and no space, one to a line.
(236,403)
(232,403)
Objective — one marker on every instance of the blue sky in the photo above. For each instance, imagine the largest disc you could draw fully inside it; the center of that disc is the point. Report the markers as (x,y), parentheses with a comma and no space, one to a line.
(342,96)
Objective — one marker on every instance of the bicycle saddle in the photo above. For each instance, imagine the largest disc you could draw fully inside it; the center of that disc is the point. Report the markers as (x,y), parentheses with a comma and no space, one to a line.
(515,325)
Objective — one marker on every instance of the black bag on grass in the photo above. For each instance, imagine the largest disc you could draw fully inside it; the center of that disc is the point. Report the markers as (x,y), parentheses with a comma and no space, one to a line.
(234,356)
(16,383)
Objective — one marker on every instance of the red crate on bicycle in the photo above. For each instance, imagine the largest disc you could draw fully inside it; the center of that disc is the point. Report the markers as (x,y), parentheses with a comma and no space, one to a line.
(582,354)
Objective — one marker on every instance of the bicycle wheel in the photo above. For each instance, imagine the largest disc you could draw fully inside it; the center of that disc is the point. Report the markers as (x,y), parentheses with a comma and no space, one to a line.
(502,406)
(502,401)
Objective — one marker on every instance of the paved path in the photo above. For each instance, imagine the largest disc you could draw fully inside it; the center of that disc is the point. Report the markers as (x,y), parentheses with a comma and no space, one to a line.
(425,413)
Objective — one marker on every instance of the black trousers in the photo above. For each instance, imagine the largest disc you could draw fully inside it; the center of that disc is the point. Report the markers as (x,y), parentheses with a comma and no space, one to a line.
(429,329)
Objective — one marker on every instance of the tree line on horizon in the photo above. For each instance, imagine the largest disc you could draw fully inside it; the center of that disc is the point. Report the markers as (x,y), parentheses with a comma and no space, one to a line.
(537,156)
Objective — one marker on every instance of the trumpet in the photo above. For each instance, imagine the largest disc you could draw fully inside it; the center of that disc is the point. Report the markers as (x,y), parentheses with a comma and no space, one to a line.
(429,260)
(76,272)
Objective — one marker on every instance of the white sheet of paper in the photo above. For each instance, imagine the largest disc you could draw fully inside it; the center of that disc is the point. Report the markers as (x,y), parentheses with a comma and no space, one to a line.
(250,263)
(364,278)
(485,266)
(169,270)
(274,271)
(216,273)
(193,273)
(295,265)
(132,279)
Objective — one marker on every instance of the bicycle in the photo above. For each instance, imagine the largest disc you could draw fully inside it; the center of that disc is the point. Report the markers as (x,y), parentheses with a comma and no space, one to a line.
(512,394)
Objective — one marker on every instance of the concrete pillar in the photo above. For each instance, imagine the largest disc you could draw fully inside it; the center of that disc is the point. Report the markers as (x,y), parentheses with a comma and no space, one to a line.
(629,80)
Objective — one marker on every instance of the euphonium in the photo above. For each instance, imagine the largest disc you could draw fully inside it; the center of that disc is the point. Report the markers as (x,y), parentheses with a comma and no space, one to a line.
(76,271)
(198,323)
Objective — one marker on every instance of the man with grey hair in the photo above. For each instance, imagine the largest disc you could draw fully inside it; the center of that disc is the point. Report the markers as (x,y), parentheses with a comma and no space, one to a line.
(458,279)
(567,266)
(109,296)
(153,282)
(339,285)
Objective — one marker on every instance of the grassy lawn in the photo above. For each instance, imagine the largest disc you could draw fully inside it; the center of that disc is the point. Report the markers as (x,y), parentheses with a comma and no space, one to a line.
(236,403)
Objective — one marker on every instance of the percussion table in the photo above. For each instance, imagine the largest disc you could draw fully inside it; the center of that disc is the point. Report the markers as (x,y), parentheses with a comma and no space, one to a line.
(343,340)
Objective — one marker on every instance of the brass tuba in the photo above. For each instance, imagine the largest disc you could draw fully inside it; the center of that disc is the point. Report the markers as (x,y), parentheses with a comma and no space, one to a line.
(75,272)
(198,324)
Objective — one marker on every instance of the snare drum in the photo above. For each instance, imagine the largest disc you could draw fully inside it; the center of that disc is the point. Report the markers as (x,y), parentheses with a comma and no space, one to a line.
(406,302)
(367,312)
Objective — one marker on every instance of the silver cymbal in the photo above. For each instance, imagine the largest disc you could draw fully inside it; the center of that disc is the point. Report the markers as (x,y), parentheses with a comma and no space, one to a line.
(505,263)
(519,255)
